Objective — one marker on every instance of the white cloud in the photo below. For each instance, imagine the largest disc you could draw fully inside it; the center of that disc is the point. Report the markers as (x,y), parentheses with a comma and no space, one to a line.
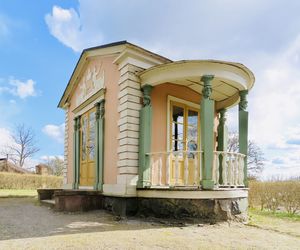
(66,26)
(56,132)
(16,87)
(5,140)
(22,89)
(51,157)
(4,26)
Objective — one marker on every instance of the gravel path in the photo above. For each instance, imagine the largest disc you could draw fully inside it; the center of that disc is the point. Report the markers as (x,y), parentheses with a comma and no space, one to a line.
(26,225)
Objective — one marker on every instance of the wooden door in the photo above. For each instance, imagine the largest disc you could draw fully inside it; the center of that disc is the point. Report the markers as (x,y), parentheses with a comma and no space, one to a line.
(87,148)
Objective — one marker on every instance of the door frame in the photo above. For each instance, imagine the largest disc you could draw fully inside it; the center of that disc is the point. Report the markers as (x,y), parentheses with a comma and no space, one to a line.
(186,105)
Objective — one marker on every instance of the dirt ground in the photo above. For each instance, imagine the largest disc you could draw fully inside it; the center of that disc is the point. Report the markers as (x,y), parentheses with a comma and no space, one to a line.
(26,225)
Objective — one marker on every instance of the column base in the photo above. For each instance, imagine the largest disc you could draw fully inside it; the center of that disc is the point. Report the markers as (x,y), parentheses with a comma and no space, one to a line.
(143,184)
(75,185)
(208,184)
(98,186)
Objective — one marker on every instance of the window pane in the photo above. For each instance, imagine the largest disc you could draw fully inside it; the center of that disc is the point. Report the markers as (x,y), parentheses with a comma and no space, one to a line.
(192,130)
(178,113)
(177,145)
(177,131)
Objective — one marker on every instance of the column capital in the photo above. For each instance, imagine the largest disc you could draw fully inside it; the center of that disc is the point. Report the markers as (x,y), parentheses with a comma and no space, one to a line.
(76,123)
(207,89)
(146,95)
(100,110)
(243,100)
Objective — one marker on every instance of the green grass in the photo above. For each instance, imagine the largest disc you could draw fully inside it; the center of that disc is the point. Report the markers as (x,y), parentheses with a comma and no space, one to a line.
(279,215)
(17,193)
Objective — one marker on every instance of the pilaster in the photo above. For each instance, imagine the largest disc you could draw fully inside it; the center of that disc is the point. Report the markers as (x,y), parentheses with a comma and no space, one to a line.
(66,137)
(99,160)
(129,124)
(76,156)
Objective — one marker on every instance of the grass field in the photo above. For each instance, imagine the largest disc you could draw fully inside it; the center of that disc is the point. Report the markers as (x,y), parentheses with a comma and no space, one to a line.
(17,193)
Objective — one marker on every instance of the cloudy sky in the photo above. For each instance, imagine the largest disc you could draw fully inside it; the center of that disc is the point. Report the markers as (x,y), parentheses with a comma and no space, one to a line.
(40,43)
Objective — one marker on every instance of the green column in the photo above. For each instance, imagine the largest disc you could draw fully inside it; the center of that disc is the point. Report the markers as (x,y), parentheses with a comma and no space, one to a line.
(207,132)
(222,139)
(243,130)
(76,158)
(145,138)
(99,150)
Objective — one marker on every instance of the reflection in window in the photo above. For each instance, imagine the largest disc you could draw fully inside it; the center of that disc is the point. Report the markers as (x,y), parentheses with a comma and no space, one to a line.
(177,128)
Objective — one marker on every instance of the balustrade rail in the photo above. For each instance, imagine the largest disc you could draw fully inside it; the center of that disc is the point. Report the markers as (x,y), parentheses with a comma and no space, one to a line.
(184,168)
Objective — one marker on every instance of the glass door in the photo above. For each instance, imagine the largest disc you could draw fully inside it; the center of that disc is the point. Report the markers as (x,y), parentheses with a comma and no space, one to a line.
(184,139)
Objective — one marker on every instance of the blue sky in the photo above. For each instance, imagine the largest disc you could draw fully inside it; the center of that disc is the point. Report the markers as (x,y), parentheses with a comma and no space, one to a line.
(40,43)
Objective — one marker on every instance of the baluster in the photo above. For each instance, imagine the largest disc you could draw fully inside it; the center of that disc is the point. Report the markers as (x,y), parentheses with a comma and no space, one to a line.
(200,166)
(196,181)
(186,168)
(168,159)
(151,169)
(176,169)
(160,170)
(217,169)
(224,168)
(236,170)
(241,171)
(229,172)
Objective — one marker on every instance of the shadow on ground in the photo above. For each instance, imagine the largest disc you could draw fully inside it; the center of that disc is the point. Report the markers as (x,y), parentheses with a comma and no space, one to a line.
(26,218)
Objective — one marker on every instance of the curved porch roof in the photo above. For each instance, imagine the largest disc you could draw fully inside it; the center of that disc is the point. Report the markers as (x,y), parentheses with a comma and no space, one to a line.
(229,78)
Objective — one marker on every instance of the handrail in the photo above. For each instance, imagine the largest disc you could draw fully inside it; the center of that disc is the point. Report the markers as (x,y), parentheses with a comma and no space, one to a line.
(178,151)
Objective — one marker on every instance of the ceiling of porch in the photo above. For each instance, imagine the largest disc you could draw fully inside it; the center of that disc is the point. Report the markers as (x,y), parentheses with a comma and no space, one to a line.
(229,78)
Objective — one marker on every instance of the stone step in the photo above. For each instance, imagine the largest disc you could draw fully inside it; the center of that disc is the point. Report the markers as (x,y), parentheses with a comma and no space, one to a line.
(48,203)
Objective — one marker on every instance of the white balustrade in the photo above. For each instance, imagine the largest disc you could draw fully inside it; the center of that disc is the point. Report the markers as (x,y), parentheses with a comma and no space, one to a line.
(177,168)
(232,169)
(183,168)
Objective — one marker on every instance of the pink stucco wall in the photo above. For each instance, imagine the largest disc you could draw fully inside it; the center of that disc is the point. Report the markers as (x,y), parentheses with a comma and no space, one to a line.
(112,76)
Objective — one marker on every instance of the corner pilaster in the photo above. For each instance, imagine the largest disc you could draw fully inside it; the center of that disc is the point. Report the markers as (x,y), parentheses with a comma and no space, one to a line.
(76,156)
(99,161)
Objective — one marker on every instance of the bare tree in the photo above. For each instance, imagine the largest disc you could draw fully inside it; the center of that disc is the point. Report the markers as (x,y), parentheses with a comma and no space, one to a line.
(255,158)
(56,164)
(24,145)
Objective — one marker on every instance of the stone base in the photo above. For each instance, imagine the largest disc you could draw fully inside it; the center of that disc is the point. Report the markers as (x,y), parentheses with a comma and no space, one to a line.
(204,209)
(121,206)
(72,201)
(210,210)
(46,194)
